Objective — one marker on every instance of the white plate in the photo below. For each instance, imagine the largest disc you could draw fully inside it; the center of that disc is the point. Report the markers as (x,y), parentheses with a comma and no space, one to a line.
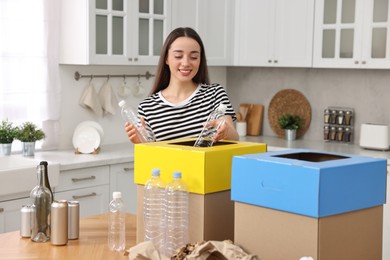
(94,124)
(86,139)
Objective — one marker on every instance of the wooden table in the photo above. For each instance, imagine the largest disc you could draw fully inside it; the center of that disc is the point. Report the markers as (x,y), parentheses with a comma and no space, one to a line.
(92,243)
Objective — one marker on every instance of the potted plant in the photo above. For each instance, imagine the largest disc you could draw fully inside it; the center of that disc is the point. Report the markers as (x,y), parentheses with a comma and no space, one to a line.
(28,133)
(290,123)
(7,136)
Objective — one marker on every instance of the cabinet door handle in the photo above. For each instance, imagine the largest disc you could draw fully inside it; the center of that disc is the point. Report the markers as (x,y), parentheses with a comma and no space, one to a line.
(83,179)
(363,62)
(127,169)
(77,197)
(275,61)
(1,210)
(356,62)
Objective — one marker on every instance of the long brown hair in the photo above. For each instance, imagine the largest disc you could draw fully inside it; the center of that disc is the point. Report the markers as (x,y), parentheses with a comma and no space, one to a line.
(163,74)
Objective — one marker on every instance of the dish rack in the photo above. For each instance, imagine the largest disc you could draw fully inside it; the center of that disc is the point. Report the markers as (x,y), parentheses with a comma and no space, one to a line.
(338,124)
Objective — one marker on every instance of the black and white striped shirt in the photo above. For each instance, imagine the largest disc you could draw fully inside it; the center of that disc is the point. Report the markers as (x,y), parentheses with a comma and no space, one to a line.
(185,120)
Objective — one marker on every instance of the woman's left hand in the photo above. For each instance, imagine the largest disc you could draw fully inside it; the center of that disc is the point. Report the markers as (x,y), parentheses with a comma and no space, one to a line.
(227,131)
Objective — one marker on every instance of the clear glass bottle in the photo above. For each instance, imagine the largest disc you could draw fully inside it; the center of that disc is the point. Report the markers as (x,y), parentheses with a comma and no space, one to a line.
(117,223)
(41,202)
(154,213)
(210,129)
(176,214)
(129,115)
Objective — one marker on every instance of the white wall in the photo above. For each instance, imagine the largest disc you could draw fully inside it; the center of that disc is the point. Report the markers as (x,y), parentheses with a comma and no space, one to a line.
(71,90)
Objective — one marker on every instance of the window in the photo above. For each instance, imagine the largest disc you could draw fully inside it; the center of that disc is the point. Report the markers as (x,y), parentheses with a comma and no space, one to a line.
(29,81)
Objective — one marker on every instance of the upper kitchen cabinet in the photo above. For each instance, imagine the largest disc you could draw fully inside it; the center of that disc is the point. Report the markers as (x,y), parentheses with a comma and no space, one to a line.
(213,21)
(274,33)
(113,32)
(351,34)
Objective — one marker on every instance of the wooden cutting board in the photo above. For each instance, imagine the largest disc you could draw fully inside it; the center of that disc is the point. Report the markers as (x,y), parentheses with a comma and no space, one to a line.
(254,118)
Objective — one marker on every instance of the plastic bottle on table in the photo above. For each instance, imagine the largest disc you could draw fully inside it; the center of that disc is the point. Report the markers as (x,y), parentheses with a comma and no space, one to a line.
(154,213)
(129,115)
(206,137)
(176,214)
(117,223)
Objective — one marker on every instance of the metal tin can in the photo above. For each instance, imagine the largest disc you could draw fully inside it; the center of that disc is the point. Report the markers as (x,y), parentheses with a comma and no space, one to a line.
(59,222)
(25,220)
(73,219)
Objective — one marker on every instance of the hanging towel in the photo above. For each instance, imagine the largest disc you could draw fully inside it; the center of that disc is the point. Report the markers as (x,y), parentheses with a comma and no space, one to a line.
(106,99)
(90,100)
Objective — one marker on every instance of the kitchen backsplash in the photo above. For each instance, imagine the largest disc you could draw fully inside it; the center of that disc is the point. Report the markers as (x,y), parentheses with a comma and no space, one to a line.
(366,91)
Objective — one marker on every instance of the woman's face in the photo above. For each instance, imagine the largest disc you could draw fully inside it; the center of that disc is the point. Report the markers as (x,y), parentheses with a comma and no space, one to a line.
(183,59)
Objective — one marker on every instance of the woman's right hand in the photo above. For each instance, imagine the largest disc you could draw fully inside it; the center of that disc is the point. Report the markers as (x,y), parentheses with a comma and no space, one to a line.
(131,132)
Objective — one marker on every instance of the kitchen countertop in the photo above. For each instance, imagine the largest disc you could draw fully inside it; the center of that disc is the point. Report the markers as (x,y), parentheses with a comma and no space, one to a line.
(92,243)
(123,152)
(68,160)
(275,143)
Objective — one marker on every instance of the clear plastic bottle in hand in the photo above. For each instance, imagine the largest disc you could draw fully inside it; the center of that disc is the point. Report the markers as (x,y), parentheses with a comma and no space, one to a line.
(154,213)
(214,121)
(117,223)
(176,214)
(129,115)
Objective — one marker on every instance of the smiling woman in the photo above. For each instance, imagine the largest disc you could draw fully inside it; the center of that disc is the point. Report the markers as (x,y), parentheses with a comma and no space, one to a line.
(29,88)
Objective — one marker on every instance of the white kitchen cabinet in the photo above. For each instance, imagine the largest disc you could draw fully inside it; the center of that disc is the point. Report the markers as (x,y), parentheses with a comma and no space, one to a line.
(213,20)
(113,32)
(122,179)
(90,186)
(273,33)
(352,34)
(10,214)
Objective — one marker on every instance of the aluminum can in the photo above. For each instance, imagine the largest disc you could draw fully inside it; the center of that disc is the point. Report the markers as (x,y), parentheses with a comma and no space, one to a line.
(73,219)
(59,223)
(25,220)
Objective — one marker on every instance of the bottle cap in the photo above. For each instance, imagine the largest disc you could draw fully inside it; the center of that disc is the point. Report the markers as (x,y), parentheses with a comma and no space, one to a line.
(155,172)
(121,103)
(117,194)
(177,175)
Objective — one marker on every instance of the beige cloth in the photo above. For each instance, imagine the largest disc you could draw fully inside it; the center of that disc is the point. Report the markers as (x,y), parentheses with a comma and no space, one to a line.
(210,250)
(106,99)
(90,100)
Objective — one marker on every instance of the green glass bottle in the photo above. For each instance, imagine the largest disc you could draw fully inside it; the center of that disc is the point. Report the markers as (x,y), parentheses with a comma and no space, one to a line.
(41,199)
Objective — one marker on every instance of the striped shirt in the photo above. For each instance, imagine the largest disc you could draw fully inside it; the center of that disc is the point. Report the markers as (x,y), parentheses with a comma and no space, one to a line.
(184,120)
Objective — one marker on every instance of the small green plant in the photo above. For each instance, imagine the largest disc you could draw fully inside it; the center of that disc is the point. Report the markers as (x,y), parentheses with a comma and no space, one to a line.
(29,132)
(7,132)
(289,121)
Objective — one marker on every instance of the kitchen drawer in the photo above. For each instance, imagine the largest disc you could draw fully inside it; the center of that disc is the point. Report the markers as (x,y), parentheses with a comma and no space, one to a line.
(10,214)
(92,200)
(81,178)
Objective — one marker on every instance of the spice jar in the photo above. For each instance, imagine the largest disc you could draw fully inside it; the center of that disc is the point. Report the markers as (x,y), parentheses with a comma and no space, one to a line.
(333,133)
(340,134)
(348,117)
(326,116)
(340,117)
(347,135)
(326,132)
(333,116)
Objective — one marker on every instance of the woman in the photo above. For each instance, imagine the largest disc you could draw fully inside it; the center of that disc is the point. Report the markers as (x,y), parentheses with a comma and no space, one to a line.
(182,97)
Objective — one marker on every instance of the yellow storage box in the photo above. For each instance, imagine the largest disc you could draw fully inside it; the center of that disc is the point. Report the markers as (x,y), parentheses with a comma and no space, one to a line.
(204,169)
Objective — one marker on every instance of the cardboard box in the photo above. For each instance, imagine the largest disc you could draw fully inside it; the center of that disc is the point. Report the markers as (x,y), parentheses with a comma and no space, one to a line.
(277,235)
(309,182)
(205,169)
(211,216)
